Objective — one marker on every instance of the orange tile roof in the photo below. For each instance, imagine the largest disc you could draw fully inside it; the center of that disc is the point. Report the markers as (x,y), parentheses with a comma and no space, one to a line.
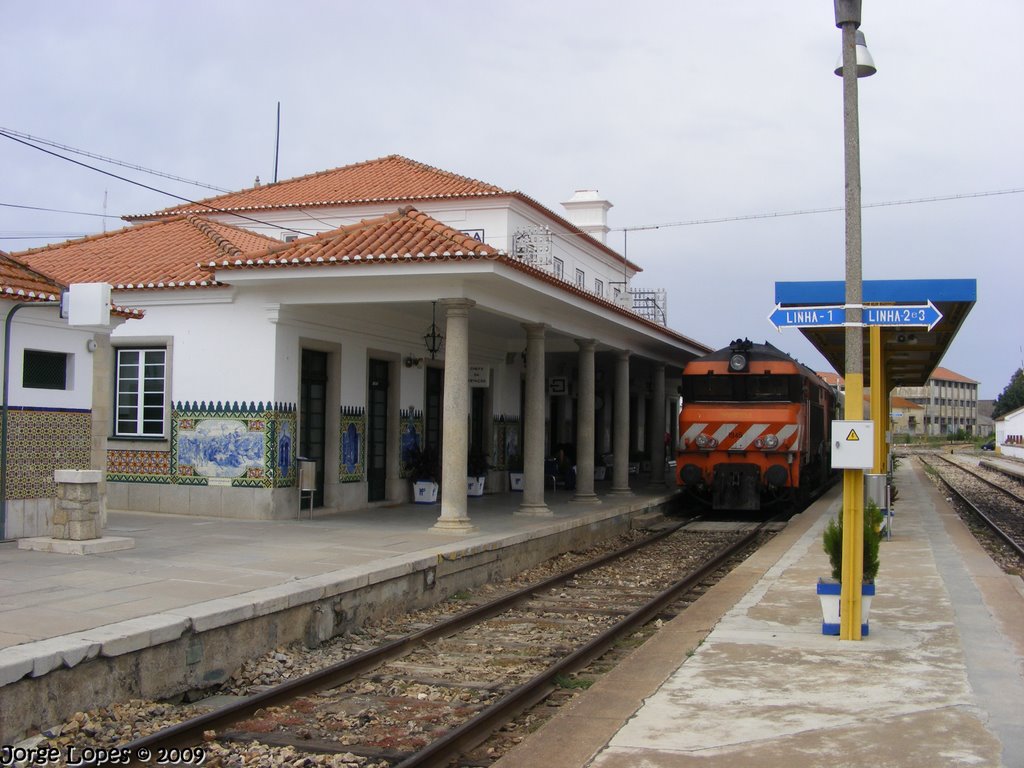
(161,254)
(387,178)
(895,401)
(405,234)
(944,374)
(834,379)
(404,237)
(21,283)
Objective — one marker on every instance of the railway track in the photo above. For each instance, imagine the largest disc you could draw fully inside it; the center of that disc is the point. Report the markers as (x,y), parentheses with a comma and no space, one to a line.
(992,501)
(430,696)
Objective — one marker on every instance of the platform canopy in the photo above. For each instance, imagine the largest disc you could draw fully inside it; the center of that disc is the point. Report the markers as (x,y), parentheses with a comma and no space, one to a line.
(910,352)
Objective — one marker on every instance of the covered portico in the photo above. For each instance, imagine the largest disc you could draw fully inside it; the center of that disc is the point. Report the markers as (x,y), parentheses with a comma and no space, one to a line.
(567,365)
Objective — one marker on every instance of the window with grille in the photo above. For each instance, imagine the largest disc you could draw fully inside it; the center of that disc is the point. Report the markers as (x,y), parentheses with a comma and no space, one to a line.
(44,370)
(599,286)
(140,392)
(559,267)
(581,278)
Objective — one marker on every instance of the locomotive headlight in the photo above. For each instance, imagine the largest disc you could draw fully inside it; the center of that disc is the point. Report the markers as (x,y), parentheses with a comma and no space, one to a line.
(737,362)
(706,443)
(771,442)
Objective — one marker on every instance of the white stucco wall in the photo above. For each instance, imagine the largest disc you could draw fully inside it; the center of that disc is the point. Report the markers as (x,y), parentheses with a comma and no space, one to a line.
(223,344)
(39,328)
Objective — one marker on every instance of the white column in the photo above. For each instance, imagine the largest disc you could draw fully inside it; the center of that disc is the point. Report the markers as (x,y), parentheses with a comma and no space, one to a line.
(620,436)
(585,424)
(656,430)
(454,507)
(533,426)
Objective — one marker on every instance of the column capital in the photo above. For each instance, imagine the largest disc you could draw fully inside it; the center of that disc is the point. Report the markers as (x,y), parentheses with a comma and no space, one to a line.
(535,330)
(586,345)
(623,354)
(456,306)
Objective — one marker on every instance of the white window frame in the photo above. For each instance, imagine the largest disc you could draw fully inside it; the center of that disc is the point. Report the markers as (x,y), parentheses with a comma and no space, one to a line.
(558,267)
(581,278)
(599,286)
(121,378)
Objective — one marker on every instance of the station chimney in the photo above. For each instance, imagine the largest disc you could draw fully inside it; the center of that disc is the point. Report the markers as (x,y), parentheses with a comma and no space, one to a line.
(588,211)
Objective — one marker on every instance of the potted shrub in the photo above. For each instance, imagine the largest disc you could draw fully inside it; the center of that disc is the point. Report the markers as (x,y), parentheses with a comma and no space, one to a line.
(829,589)
(476,474)
(515,472)
(421,467)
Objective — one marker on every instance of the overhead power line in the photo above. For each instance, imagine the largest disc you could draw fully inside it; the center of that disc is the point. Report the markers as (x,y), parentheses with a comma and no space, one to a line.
(110,160)
(7,135)
(59,210)
(809,211)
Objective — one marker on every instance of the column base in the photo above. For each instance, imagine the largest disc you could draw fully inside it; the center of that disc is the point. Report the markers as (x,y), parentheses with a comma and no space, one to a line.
(621,492)
(534,510)
(585,498)
(446,525)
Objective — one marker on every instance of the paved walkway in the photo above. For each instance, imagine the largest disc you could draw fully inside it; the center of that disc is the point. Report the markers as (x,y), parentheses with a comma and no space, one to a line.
(180,561)
(745,678)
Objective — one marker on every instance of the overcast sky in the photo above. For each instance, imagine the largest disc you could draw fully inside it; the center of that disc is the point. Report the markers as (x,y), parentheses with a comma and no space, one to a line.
(677,112)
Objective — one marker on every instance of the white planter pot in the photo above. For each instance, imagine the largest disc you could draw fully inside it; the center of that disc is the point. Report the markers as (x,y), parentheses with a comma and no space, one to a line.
(828,594)
(475,486)
(515,480)
(424,492)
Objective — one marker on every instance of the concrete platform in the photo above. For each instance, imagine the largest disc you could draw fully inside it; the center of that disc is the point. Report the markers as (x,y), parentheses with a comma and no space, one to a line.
(745,678)
(196,596)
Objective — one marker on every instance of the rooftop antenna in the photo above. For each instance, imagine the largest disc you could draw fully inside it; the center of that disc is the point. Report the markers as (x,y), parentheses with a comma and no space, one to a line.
(104,211)
(277,140)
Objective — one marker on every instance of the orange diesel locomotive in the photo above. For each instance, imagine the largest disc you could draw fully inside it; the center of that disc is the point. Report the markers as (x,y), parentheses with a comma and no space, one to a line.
(754,427)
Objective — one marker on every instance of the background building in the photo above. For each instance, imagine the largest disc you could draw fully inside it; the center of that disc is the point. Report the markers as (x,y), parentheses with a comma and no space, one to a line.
(949,400)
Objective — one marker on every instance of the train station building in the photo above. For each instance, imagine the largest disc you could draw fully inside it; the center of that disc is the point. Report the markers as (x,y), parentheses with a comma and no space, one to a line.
(372,320)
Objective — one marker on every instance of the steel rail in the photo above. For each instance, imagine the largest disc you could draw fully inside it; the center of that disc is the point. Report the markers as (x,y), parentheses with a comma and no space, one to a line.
(471,733)
(1019,499)
(1009,540)
(190,732)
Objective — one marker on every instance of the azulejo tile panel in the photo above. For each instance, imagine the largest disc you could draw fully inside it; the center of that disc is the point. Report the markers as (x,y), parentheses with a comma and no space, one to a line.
(246,445)
(506,433)
(412,437)
(240,445)
(40,441)
(353,444)
(127,466)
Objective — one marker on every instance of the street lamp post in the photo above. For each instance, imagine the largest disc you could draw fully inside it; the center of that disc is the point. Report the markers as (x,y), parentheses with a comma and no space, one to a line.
(848,20)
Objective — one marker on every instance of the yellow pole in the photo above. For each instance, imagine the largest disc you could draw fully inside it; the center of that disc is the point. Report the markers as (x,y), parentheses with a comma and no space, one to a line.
(879,397)
(853,524)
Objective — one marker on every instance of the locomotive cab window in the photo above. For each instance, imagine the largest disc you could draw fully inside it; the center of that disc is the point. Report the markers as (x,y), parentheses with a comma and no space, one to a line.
(741,389)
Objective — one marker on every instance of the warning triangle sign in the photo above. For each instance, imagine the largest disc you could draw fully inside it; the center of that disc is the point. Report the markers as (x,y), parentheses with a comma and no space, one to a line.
(852,437)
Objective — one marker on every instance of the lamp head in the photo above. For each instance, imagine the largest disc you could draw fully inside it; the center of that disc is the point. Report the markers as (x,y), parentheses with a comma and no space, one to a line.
(865,64)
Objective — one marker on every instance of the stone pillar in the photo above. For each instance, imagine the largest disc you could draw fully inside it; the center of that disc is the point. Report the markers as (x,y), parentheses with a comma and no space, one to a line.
(76,514)
(533,424)
(454,506)
(656,431)
(585,425)
(620,436)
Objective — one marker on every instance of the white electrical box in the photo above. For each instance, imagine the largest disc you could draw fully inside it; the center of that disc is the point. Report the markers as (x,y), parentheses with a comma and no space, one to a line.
(853,444)
(88,304)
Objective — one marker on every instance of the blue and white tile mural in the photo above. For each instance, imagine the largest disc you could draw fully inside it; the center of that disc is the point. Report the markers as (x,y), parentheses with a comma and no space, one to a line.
(221,448)
(251,445)
(353,444)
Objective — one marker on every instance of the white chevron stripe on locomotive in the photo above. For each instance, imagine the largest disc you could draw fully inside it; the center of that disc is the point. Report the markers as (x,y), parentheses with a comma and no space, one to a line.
(788,435)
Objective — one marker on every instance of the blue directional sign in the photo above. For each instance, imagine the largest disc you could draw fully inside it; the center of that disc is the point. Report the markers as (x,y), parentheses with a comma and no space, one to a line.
(927,315)
(807,317)
(833,315)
